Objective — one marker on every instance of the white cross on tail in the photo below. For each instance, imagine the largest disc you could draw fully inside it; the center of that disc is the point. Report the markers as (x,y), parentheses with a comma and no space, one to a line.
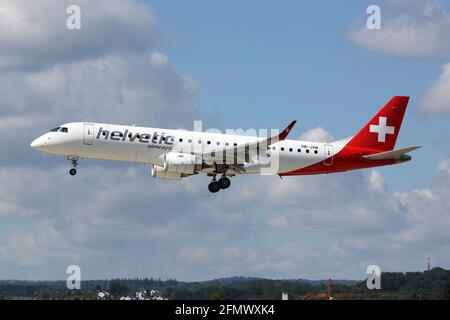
(382,129)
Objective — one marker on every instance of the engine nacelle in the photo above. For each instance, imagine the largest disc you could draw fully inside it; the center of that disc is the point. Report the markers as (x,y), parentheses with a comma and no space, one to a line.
(176,166)
(160,173)
(180,162)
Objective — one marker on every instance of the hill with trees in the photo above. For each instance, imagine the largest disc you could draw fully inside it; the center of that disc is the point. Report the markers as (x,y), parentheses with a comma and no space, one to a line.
(433,284)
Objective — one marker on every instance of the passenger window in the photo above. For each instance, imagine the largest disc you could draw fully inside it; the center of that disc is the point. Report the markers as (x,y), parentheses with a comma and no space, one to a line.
(209,142)
(274,148)
(218,143)
(282,149)
(290,150)
(227,144)
(315,151)
(307,150)
(181,140)
(299,150)
(190,141)
(235,144)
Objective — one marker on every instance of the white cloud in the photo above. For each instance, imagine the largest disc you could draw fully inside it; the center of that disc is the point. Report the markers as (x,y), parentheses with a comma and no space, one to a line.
(44,81)
(412,29)
(318,134)
(436,98)
(110,89)
(358,220)
(444,165)
(71,75)
(34,34)
(159,59)
(365,221)
(376,181)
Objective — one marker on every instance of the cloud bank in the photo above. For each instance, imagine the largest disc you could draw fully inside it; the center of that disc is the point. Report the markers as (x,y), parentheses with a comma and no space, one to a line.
(410,29)
(436,99)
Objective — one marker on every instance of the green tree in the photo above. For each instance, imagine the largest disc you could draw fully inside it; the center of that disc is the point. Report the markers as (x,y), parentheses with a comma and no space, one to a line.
(44,294)
(446,291)
(117,289)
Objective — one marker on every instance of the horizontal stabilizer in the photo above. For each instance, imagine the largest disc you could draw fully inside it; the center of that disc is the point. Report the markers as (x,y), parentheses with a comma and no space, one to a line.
(394,154)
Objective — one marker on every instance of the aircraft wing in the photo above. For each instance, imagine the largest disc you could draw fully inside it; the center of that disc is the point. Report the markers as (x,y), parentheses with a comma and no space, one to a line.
(242,153)
(393,154)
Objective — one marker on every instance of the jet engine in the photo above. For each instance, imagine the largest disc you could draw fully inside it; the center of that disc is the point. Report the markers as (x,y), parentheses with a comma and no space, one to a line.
(176,166)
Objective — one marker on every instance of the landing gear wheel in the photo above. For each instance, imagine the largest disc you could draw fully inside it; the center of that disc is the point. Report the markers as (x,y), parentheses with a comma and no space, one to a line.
(74,160)
(214,186)
(224,182)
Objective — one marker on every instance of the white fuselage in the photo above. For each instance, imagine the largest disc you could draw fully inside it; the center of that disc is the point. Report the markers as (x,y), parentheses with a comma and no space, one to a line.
(149,145)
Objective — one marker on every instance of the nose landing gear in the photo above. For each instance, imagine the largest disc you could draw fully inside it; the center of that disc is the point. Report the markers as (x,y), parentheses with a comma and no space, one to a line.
(74,160)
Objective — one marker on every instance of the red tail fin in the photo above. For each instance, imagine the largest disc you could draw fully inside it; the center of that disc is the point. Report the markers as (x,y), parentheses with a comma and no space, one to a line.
(381,132)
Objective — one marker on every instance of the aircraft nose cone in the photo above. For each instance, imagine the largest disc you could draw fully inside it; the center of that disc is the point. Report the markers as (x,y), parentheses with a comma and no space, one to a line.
(37,144)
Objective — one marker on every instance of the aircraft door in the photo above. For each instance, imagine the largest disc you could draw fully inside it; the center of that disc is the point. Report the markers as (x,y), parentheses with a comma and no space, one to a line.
(88,134)
(328,155)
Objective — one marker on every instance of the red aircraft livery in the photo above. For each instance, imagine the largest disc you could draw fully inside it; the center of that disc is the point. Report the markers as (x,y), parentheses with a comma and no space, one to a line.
(370,147)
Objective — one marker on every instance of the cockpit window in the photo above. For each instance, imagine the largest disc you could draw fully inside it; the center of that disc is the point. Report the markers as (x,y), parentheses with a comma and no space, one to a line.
(55,130)
(65,130)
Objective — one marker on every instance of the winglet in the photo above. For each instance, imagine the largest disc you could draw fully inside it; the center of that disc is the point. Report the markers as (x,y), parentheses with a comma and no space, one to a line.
(283,135)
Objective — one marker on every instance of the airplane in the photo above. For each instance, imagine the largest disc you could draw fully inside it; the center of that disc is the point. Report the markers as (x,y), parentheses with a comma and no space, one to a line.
(177,154)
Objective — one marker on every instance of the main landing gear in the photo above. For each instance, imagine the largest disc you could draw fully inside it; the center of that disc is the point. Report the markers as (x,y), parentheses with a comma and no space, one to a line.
(223,183)
(74,160)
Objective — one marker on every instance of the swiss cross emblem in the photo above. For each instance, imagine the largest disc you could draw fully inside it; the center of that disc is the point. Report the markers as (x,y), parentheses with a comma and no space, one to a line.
(382,129)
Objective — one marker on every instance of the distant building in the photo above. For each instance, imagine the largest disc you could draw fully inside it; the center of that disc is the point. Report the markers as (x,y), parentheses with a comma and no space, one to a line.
(103,295)
(142,295)
(145,295)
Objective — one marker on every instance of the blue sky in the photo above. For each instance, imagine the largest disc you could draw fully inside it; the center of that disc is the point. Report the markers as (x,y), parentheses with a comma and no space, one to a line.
(232,64)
